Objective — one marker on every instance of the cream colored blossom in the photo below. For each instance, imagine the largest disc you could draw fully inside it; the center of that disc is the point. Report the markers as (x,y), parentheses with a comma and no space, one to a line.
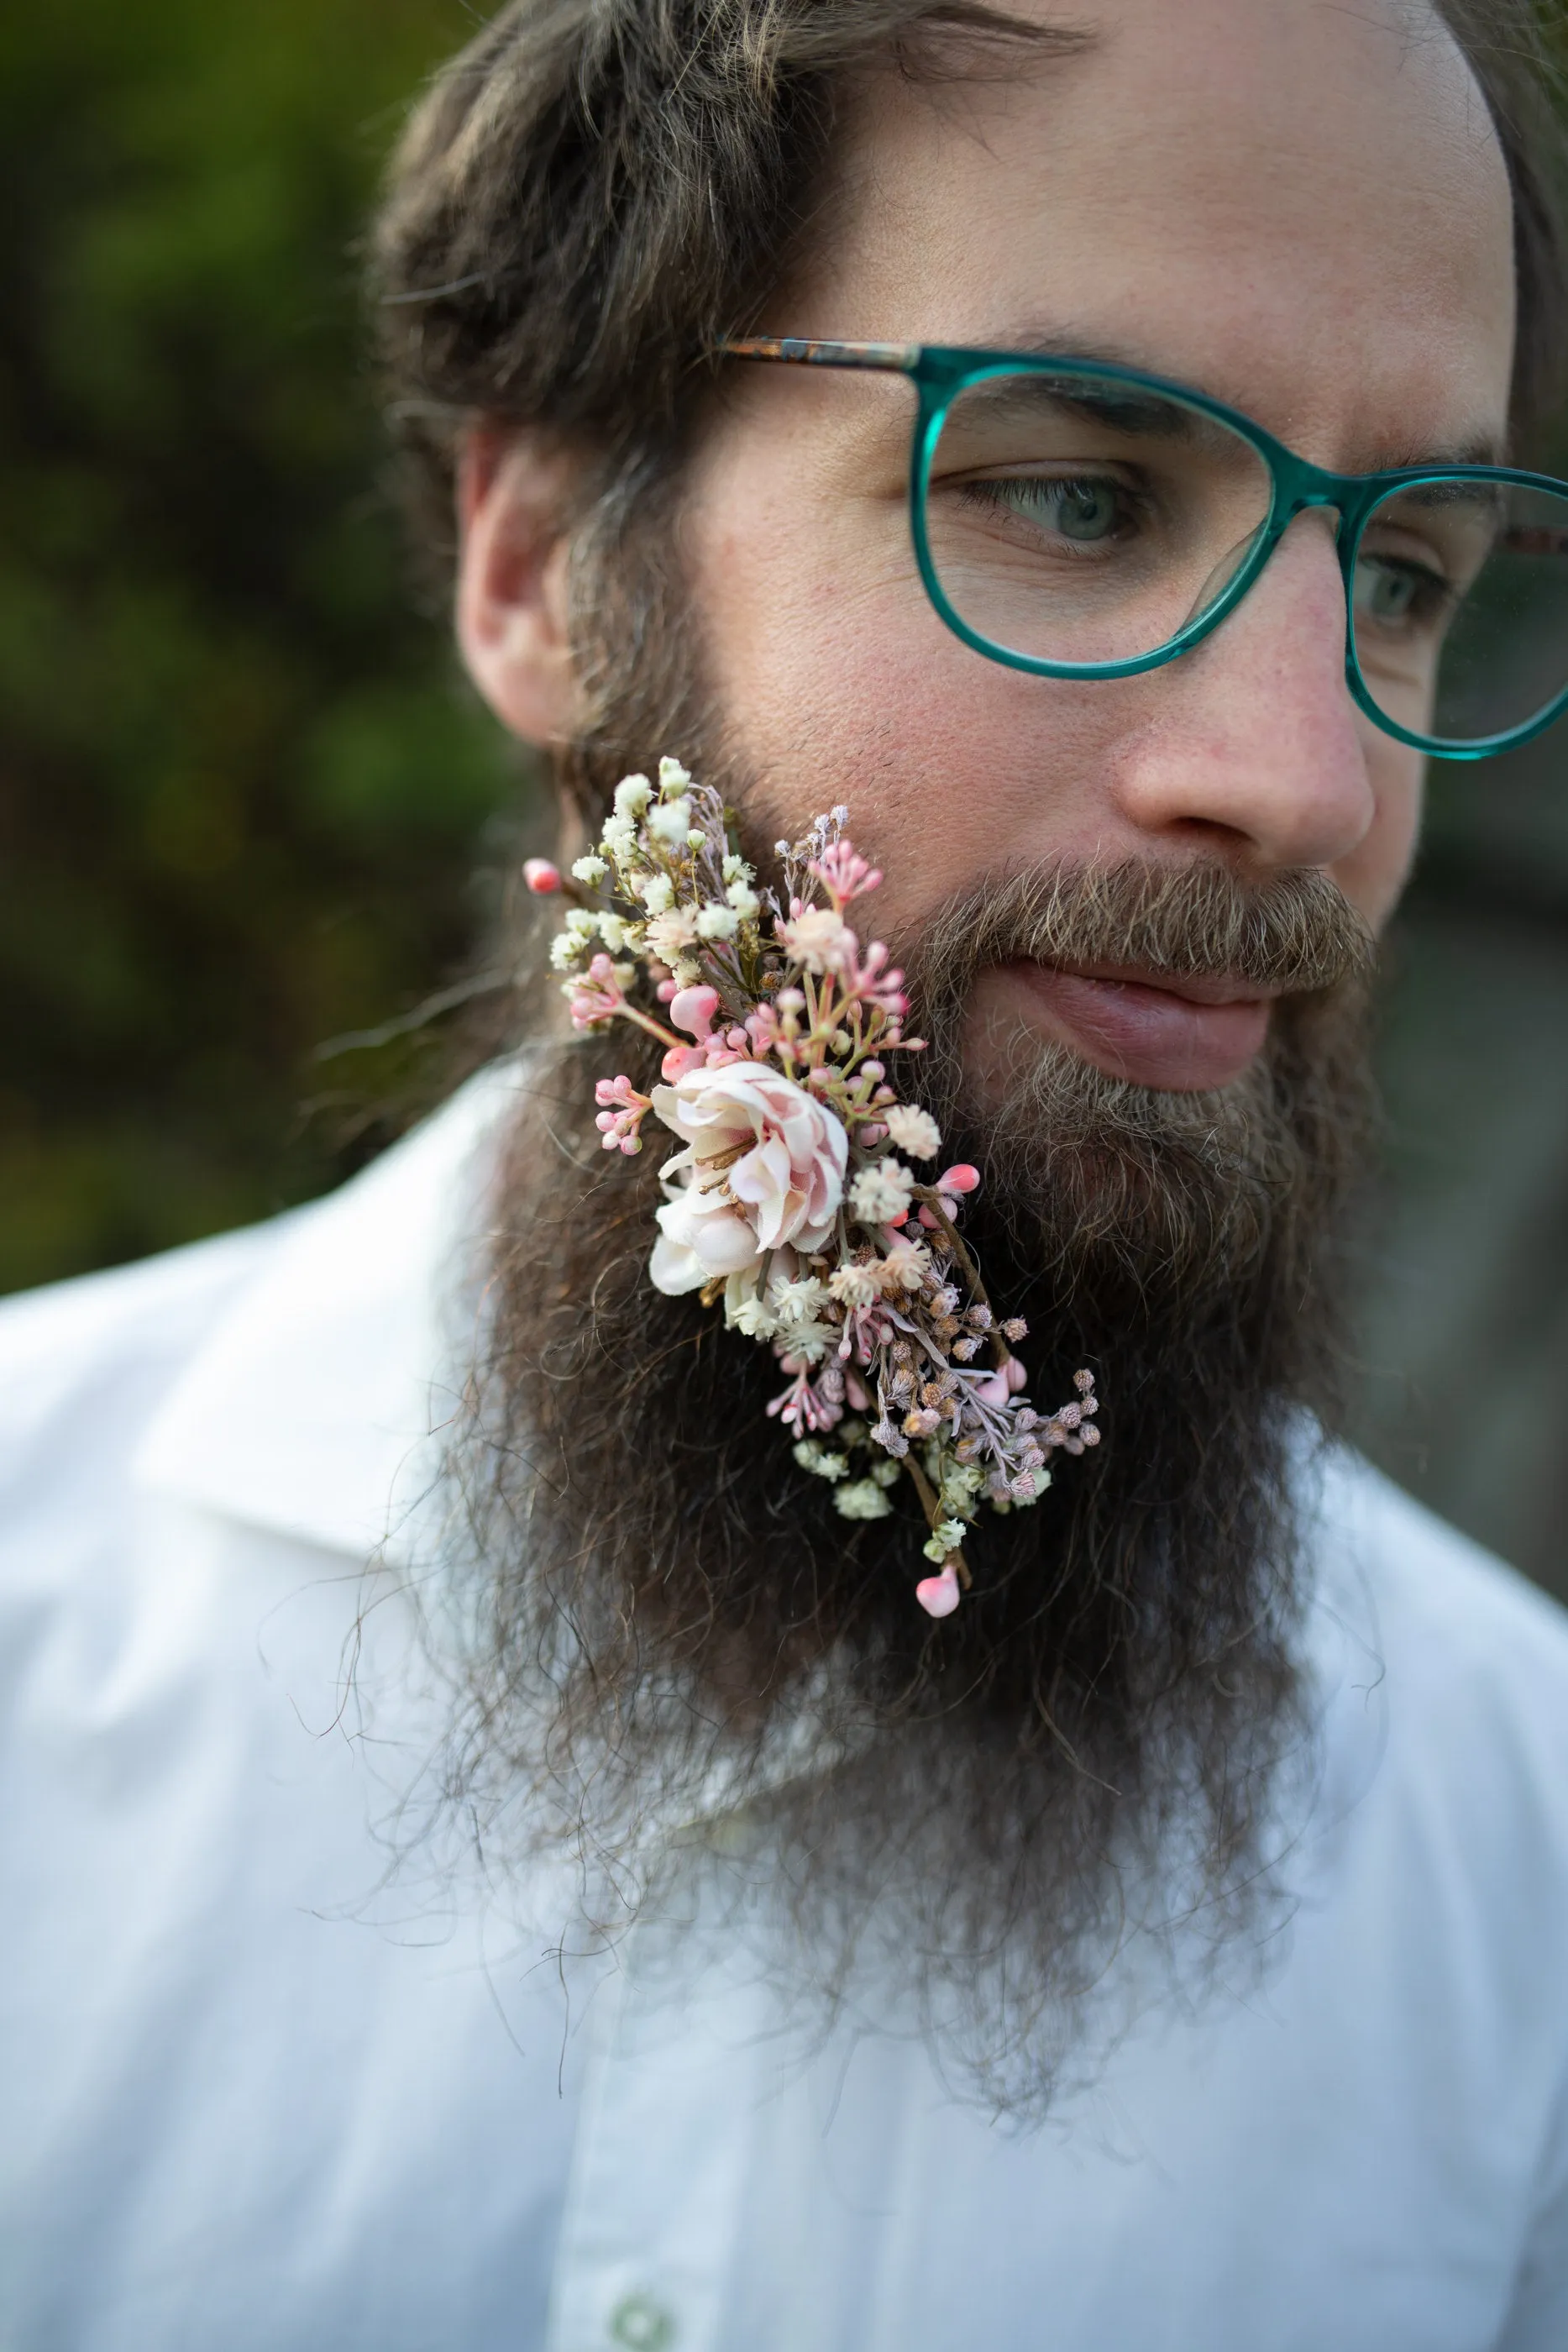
(671,935)
(912,1129)
(855,1286)
(819,939)
(880,1194)
(671,822)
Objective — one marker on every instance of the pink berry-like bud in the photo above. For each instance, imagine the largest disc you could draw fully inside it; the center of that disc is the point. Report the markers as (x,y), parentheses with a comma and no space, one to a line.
(692,1009)
(961,1178)
(938,1595)
(540,876)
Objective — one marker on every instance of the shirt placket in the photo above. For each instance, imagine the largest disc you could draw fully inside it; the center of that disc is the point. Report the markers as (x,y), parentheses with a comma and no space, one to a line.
(661,2169)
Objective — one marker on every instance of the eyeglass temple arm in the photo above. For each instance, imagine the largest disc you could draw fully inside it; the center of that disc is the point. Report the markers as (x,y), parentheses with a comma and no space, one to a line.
(806,351)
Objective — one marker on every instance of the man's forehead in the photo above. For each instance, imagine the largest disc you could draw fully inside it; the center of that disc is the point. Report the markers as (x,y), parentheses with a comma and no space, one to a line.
(1281,200)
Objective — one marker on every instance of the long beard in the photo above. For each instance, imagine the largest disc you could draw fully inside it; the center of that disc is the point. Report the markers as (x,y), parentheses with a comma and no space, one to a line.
(664,1605)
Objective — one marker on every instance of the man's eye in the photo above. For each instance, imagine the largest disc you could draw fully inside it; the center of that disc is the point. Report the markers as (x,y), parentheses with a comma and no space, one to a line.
(1087,510)
(1396,593)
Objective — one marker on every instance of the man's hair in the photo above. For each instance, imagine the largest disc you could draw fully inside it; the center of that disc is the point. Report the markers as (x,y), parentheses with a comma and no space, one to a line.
(594,193)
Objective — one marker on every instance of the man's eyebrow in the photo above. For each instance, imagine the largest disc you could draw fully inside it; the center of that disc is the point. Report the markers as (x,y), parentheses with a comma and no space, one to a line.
(1487,446)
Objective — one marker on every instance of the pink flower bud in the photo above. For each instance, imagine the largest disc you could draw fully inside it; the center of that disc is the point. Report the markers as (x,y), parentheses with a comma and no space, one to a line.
(938,1595)
(961,1178)
(1015,1375)
(692,1009)
(540,876)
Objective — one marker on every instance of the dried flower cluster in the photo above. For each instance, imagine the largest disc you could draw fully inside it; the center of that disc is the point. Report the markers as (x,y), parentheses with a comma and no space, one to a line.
(792,1197)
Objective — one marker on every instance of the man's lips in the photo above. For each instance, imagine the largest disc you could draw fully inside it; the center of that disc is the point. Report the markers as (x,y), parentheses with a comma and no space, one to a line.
(1175,1033)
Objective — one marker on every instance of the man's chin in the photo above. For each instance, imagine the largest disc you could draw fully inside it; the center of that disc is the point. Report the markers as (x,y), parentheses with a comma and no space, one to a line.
(1174,1039)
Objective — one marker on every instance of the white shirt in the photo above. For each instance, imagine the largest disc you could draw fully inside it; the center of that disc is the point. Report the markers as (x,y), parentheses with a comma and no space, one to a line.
(265,2086)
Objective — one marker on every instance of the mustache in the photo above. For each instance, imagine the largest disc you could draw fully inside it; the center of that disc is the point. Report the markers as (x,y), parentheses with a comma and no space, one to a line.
(1295,935)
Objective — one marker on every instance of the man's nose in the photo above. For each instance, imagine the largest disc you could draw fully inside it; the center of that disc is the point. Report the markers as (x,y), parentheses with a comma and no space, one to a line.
(1255,735)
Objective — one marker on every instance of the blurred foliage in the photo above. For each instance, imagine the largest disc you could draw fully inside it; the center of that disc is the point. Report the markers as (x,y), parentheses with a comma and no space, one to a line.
(240,792)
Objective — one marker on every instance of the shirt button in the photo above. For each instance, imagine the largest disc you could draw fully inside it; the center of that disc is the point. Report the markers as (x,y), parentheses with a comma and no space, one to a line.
(641,2324)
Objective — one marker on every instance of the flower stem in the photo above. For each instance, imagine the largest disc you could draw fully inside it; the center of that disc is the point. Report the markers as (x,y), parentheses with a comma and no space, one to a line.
(931,1506)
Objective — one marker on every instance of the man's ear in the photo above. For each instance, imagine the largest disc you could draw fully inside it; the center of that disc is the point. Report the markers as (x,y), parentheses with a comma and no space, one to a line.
(511,607)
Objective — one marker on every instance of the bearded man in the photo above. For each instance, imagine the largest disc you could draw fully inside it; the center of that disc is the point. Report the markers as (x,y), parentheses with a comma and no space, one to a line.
(1161,1949)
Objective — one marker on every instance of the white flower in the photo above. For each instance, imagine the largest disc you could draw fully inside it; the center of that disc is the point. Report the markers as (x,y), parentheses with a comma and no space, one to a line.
(590,868)
(619,839)
(671,935)
(854,1285)
(671,823)
(884,1474)
(764,1166)
(716,922)
(879,1194)
(862,1499)
(657,893)
(751,1314)
(945,1537)
(632,794)
(798,1301)
(815,1457)
(742,897)
(672,778)
(736,869)
(566,950)
(584,924)
(819,939)
(613,931)
(809,1342)
(915,1131)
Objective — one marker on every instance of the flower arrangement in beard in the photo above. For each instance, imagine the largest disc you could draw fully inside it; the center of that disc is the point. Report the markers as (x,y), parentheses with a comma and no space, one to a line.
(791,1199)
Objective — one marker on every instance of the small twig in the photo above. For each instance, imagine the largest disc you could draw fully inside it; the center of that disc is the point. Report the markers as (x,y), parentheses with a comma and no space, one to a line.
(931,1199)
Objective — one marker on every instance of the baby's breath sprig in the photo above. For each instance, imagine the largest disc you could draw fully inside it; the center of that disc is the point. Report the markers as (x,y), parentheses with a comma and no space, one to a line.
(790,1201)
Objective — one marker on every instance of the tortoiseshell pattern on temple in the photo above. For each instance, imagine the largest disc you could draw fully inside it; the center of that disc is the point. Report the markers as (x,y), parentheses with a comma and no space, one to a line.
(808,351)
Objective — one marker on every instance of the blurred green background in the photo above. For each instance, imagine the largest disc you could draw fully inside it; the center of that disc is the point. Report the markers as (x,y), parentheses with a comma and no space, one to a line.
(246,805)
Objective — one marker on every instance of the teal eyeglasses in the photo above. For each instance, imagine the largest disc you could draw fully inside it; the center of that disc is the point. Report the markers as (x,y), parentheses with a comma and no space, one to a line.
(1082,521)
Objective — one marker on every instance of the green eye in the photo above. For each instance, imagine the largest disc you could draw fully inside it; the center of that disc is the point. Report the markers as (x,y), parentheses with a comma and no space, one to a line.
(1396,594)
(1086,512)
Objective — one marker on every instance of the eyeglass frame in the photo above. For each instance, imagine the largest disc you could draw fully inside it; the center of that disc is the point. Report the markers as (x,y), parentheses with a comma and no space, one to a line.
(941,371)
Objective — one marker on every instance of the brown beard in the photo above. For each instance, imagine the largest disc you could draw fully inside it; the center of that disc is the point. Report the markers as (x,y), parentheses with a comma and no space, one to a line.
(1095,1742)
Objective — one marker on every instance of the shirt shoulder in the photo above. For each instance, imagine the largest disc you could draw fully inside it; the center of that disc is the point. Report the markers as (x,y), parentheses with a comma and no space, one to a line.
(1457,1614)
(1452,1683)
(85,1364)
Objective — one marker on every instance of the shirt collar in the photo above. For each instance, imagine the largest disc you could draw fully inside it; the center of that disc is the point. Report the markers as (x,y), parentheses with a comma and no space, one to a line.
(316,1409)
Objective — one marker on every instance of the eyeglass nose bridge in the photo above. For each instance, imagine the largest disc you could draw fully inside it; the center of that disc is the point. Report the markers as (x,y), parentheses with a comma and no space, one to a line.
(1304,488)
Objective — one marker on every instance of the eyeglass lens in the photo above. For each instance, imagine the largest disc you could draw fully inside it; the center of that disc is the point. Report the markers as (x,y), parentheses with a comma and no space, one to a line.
(1459,607)
(1085,520)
